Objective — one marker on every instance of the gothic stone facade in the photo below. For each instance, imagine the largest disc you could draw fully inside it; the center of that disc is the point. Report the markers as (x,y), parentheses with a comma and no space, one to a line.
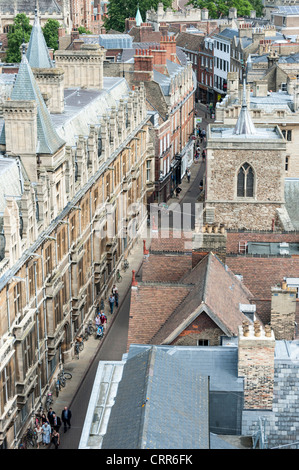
(225,158)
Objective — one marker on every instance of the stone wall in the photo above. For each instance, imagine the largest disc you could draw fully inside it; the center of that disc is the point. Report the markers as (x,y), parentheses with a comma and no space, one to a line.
(282,423)
(235,212)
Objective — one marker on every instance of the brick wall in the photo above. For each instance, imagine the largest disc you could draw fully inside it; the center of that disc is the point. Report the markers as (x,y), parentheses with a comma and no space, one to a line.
(202,328)
(233,238)
(262,273)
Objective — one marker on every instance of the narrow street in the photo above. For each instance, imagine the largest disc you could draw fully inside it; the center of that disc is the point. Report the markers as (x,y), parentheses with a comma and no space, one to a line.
(114,344)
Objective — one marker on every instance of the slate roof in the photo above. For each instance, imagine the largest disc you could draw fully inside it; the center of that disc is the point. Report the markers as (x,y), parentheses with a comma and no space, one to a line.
(50,6)
(11,180)
(38,52)
(189,41)
(26,88)
(161,403)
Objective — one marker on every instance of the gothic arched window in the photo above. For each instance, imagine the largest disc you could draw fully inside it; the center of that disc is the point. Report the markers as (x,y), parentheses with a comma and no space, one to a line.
(245,181)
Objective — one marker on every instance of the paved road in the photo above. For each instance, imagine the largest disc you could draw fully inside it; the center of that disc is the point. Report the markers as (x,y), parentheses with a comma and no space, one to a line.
(112,349)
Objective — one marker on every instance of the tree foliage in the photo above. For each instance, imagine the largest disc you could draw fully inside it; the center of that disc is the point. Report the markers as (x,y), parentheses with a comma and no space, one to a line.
(119,10)
(219,8)
(50,31)
(20,31)
(83,30)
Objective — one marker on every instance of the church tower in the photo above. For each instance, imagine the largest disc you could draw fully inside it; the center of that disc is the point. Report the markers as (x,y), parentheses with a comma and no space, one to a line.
(244,184)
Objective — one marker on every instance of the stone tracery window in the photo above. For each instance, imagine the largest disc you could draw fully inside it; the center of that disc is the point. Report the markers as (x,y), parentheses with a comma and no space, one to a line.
(245,181)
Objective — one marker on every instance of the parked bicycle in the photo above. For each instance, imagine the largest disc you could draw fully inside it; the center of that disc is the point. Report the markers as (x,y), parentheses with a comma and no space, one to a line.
(63,377)
(125,265)
(49,401)
(79,346)
(89,330)
(30,438)
(118,276)
(57,387)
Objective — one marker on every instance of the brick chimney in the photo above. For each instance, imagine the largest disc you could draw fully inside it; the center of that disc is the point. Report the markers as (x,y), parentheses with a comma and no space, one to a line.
(256,364)
(134,284)
(129,23)
(169,44)
(143,65)
(283,309)
(245,30)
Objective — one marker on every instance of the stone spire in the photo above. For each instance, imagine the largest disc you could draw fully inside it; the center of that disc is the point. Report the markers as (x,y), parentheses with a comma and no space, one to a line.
(244,125)
(138,17)
(26,89)
(38,53)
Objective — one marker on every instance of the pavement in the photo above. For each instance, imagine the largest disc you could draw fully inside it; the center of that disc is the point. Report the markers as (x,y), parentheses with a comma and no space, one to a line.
(79,367)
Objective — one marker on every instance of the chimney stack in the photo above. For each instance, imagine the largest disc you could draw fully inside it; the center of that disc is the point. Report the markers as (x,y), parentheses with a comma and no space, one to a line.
(143,65)
(256,364)
(134,282)
(169,45)
(283,310)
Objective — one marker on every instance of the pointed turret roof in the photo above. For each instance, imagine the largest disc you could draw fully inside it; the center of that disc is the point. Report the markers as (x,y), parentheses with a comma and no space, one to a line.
(138,18)
(26,88)
(244,125)
(38,52)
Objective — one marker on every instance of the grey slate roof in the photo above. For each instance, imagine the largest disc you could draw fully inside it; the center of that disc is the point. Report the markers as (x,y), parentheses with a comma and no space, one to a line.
(28,6)
(162,403)
(37,52)
(25,88)
(218,363)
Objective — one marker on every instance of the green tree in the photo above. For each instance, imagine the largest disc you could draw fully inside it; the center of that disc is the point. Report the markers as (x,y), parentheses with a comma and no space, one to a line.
(50,31)
(219,8)
(83,30)
(20,31)
(119,10)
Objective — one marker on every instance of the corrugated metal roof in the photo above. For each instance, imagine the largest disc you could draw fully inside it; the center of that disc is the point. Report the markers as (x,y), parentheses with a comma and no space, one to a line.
(116,41)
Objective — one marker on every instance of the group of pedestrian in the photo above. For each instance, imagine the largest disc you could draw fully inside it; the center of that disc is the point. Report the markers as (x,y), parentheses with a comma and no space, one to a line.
(113,299)
(47,427)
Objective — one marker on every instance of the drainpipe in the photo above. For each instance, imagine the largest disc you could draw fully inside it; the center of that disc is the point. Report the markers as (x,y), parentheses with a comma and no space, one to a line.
(7,307)
(91,247)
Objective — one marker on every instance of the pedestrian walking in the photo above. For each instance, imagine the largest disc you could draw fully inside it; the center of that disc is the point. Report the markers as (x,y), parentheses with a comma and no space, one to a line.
(50,416)
(177,191)
(44,419)
(46,433)
(39,434)
(103,320)
(188,172)
(98,320)
(55,439)
(115,295)
(111,301)
(66,418)
(56,422)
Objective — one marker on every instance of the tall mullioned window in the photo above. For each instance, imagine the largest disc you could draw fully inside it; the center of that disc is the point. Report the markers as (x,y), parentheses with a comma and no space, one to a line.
(245,181)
